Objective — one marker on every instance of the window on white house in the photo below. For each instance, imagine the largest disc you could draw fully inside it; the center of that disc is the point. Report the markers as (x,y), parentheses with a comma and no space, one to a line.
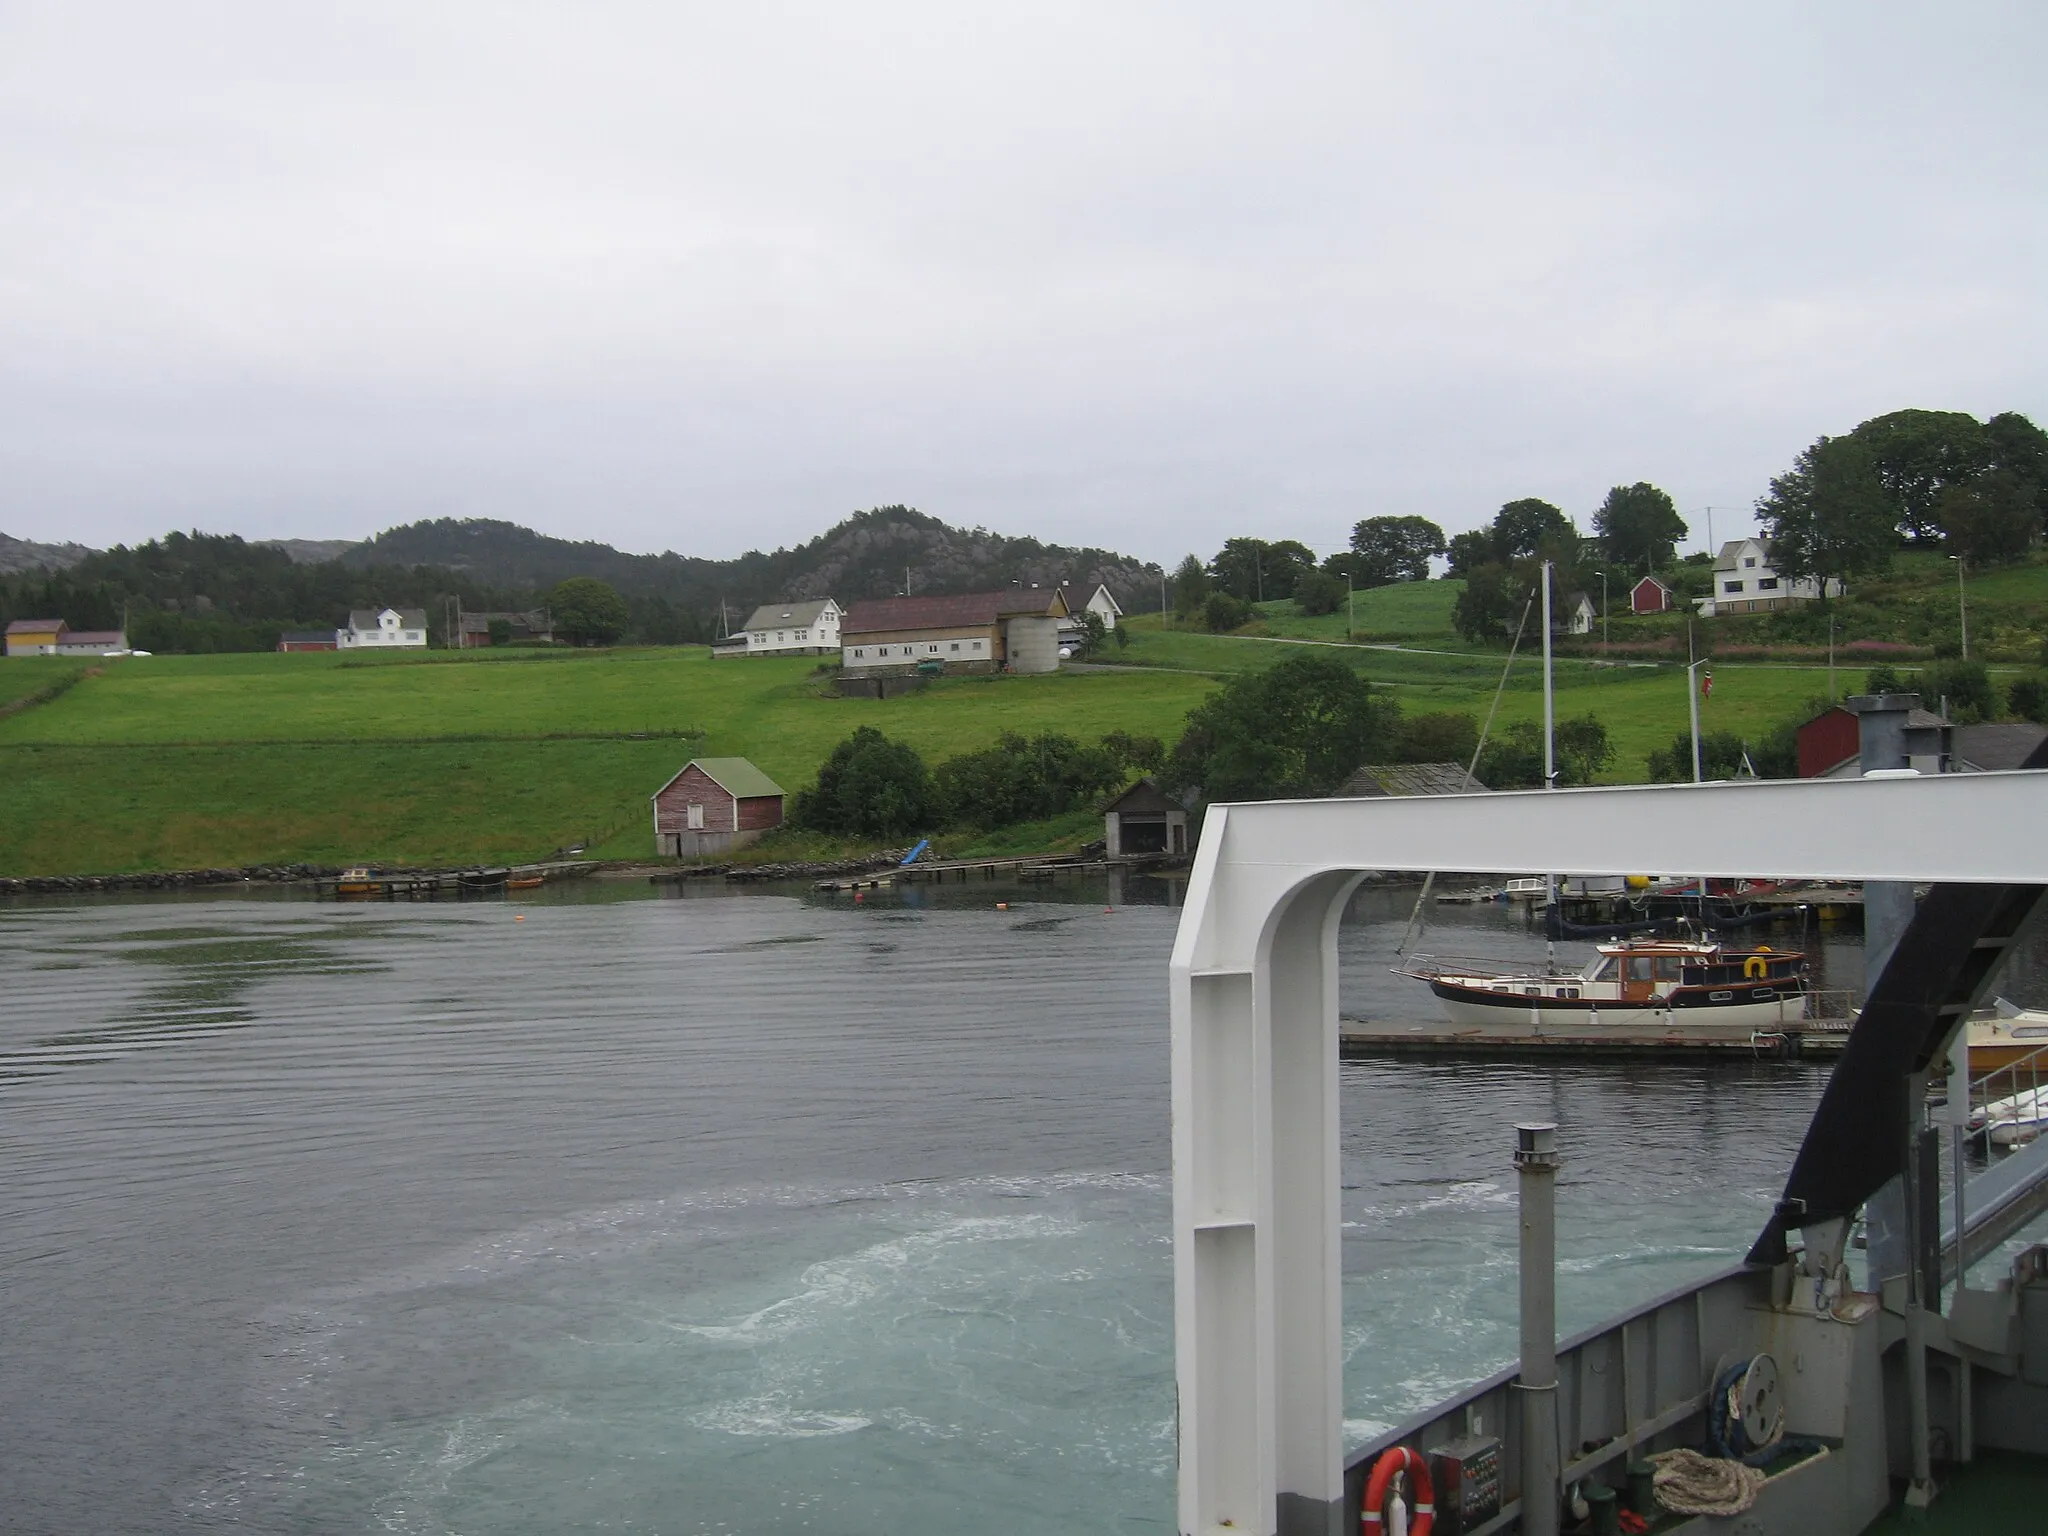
(1767,583)
(412,634)
(932,648)
(859,651)
(977,645)
(1748,561)
(1731,586)
(956,645)
(803,634)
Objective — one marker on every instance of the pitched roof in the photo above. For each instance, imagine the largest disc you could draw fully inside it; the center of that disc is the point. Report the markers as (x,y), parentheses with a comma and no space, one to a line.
(36,626)
(1997,746)
(1651,581)
(1725,561)
(94,637)
(735,775)
(306,637)
(366,618)
(956,611)
(1079,594)
(1144,798)
(1409,779)
(787,615)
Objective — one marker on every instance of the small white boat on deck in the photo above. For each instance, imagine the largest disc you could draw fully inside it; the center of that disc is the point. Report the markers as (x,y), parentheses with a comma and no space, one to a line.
(1631,986)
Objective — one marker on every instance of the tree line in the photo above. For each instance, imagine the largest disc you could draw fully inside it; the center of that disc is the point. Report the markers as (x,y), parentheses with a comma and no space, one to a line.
(1978,489)
(1298,729)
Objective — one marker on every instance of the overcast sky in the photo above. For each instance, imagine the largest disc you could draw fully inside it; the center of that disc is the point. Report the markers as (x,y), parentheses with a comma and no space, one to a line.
(708,277)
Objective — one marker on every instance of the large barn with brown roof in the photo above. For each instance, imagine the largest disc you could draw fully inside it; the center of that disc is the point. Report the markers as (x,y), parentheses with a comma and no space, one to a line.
(1016,630)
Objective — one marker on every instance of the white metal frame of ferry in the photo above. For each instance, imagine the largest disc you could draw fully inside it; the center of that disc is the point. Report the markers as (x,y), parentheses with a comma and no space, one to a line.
(1257,1254)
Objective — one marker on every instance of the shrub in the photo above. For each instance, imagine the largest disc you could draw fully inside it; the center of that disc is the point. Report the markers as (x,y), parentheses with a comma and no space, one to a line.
(1022,780)
(869,786)
(1318,592)
(1221,612)
(2029,697)
(1966,685)
(1445,736)
(1514,759)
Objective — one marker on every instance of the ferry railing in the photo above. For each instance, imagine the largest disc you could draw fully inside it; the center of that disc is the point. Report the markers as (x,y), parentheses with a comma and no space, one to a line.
(2009,1104)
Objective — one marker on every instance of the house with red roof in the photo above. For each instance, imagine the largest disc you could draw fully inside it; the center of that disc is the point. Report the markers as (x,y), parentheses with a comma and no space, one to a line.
(1014,630)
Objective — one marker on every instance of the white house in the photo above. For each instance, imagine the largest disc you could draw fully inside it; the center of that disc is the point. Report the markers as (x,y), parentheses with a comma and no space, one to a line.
(1745,581)
(789,629)
(374,628)
(1579,617)
(1101,602)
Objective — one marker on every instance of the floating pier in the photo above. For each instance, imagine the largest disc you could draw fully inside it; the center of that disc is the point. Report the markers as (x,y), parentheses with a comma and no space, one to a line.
(1799,1040)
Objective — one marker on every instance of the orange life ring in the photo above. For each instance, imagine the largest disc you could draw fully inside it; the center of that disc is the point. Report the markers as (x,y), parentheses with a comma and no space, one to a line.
(1400,1459)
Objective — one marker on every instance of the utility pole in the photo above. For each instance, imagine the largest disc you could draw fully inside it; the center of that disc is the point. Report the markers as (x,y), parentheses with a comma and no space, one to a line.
(1831,658)
(1603,607)
(1962,605)
(1549,727)
(1692,699)
(1350,610)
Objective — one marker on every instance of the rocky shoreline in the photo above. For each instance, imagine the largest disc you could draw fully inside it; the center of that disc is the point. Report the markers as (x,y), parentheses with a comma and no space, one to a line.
(168,879)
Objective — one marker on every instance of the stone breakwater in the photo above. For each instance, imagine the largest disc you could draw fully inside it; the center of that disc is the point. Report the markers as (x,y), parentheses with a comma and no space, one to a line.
(168,879)
(812,870)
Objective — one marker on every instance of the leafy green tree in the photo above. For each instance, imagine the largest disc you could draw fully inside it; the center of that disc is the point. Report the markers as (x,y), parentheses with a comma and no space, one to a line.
(1319,592)
(869,786)
(1639,527)
(1254,570)
(1829,517)
(1885,678)
(1020,779)
(1966,686)
(1513,759)
(1521,528)
(1391,549)
(1916,456)
(1470,550)
(1992,518)
(1721,757)
(587,611)
(1190,587)
(500,631)
(1146,754)
(1094,634)
(1222,613)
(1491,606)
(2028,697)
(1442,736)
(1298,728)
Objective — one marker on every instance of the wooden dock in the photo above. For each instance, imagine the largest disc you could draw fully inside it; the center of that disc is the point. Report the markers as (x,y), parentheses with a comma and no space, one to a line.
(1811,1040)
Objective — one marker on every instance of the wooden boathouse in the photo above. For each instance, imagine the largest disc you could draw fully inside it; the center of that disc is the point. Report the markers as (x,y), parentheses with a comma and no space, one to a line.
(714,804)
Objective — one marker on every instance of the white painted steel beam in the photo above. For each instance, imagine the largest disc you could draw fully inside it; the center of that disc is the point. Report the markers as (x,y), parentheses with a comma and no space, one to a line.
(1257,1267)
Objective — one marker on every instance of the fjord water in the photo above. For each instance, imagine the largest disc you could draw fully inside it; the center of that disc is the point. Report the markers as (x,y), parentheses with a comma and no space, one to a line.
(761,1213)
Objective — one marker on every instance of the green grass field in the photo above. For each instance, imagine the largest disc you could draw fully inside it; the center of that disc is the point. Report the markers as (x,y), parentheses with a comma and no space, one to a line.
(180,761)
(175,762)
(21,676)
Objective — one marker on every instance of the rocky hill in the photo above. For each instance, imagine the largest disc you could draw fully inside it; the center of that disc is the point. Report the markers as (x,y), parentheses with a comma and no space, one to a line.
(870,554)
(20,555)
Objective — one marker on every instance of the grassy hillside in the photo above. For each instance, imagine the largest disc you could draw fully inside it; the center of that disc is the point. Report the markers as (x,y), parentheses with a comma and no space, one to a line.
(171,762)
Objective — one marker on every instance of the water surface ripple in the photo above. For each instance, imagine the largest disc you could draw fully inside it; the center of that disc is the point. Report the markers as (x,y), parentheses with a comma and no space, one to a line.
(755,1214)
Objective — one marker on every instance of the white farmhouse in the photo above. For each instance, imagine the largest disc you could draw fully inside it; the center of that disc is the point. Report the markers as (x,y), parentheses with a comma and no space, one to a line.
(788,629)
(1099,601)
(1745,581)
(382,628)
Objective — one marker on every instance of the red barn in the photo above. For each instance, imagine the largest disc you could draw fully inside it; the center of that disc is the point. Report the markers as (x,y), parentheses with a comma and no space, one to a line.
(1649,596)
(715,804)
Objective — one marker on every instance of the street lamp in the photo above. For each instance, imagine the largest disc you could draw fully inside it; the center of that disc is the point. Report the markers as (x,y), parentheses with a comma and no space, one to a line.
(1962,605)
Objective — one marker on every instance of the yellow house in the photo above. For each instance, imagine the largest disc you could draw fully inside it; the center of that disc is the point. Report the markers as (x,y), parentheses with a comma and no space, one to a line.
(35,637)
